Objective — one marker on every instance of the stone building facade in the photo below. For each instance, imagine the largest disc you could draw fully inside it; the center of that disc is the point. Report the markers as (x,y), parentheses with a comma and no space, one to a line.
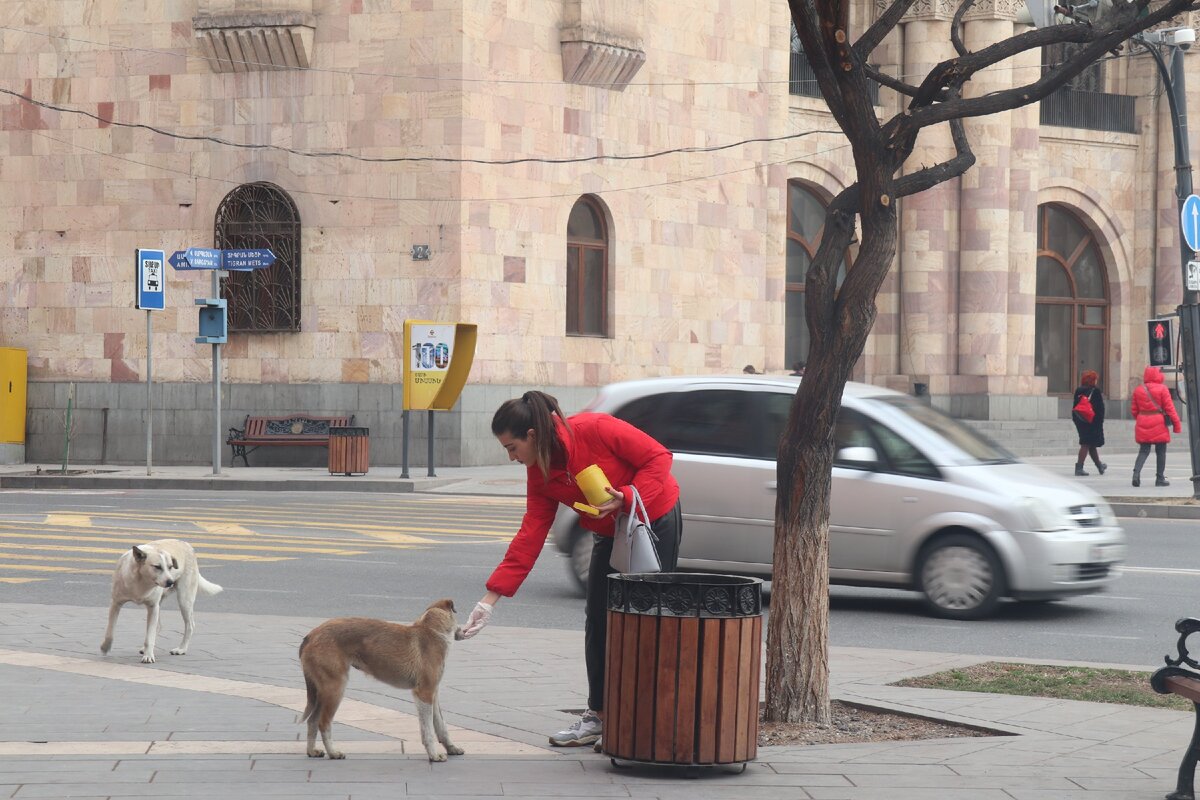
(348,135)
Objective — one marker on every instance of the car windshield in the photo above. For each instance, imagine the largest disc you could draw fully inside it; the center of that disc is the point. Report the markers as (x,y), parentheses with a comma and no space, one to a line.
(980,448)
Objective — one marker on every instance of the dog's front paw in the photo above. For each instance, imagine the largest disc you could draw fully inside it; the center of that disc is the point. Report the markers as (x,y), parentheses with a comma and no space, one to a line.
(336,755)
(105,646)
(148,658)
(454,750)
(178,651)
(315,752)
(437,756)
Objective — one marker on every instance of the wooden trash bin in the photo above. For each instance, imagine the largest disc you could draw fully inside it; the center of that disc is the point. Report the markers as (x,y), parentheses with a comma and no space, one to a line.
(681,679)
(349,450)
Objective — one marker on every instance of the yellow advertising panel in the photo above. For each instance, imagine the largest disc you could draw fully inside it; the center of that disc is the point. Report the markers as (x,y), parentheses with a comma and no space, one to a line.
(437,360)
(13,381)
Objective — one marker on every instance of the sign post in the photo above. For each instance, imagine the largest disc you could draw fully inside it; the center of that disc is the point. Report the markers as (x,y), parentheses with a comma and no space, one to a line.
(213,328)
(151,296)
(437,359)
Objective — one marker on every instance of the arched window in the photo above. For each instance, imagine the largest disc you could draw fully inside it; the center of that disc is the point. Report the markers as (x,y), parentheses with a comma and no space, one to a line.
(587,269)
(1071,329)
(256,216)
(806,221)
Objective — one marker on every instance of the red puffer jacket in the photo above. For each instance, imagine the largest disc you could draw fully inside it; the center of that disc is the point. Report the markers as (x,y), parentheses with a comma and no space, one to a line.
(1150,427)
(628,457)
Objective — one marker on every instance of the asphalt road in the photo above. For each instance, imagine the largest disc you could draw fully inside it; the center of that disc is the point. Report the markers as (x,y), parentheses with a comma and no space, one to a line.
(333,554)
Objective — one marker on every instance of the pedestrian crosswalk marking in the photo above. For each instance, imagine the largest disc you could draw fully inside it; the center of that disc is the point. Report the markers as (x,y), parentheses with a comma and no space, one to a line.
(225,527)
(69,520)
(306,522)
(31,543)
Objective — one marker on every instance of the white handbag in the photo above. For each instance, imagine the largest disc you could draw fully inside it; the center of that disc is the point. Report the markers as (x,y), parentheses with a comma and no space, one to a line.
(633,542)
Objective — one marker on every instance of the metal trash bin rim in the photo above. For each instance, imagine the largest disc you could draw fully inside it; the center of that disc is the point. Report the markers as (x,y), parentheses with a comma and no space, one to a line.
(685,594)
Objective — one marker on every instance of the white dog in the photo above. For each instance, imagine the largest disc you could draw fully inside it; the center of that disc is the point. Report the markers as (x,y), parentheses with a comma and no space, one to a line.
(145,575)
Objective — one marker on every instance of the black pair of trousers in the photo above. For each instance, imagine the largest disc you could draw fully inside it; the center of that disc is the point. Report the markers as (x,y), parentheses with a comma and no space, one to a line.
(1160,458)
(668,529)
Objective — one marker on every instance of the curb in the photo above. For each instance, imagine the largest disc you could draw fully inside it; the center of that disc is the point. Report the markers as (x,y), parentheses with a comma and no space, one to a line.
(1154,511)
(217,483)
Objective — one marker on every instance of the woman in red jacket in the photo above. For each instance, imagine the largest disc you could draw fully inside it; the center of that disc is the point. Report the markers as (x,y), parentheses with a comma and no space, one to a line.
(1152,408)
(535,433)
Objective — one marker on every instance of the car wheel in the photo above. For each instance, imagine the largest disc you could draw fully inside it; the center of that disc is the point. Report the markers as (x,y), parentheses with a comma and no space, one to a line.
(579,560)
(961,577)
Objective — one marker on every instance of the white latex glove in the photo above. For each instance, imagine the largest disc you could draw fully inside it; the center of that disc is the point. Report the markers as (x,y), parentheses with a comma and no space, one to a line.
(481,615)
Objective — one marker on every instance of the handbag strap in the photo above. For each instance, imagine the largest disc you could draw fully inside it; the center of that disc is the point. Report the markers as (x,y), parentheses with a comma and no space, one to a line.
(1151,398)
(638,512)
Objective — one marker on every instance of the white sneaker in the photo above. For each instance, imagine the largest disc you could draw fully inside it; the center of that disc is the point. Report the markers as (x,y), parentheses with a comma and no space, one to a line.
(586,730)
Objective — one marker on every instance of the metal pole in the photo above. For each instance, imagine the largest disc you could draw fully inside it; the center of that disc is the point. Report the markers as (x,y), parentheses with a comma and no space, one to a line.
(430,473)
(404,445)
(216,383)
(1189,312)
(149,397)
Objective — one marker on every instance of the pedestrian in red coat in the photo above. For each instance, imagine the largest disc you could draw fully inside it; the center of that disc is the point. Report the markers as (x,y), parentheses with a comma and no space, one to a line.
(554,450)
(1152,409)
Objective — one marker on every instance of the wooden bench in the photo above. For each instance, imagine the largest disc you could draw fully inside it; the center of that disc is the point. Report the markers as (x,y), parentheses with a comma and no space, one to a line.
(1177,680)
(294,430)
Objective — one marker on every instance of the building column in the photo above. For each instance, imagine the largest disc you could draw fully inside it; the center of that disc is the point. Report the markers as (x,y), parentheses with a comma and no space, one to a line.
(928,257)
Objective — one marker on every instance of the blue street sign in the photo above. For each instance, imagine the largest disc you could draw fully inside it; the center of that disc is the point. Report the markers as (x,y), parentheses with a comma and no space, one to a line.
(150,280)
(204,258)
(1190,219)
(208,258)
(247,259)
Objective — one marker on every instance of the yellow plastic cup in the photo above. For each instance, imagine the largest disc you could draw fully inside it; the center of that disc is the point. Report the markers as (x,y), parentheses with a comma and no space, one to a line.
(592,481)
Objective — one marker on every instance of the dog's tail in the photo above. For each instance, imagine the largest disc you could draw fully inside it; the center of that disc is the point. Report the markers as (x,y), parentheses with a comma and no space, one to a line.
(207,586)
(310,710)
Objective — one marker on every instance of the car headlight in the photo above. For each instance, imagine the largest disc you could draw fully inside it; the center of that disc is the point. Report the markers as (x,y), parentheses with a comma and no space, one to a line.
(1041,516)
(1107,517)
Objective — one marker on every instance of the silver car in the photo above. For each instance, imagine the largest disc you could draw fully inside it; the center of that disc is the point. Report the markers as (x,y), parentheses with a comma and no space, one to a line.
(920,501)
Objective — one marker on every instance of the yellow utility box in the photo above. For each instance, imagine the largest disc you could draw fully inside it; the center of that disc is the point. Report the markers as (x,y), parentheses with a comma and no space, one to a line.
(14,376)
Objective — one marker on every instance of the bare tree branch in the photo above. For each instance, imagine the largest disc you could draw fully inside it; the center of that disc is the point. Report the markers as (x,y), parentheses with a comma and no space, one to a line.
(928,177)
(881,27)
(883,79)
(956,27)
(1097,41)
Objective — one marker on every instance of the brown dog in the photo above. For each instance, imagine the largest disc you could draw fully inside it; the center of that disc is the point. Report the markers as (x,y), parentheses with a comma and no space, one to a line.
(404,656)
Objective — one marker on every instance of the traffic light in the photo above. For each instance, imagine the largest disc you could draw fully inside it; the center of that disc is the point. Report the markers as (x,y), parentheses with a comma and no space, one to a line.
(1161,342)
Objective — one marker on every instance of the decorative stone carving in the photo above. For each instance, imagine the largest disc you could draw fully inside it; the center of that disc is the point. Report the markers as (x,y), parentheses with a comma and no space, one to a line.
(255,41)
(598,63)
(994,9)
(923,9)
(601,42)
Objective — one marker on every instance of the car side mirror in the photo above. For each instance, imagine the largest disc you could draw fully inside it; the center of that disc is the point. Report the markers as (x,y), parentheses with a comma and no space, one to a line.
(857,458)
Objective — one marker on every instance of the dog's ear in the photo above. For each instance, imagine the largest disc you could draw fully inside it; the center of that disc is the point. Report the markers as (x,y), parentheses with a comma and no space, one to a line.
(445,603)
(174,563)
(138,554)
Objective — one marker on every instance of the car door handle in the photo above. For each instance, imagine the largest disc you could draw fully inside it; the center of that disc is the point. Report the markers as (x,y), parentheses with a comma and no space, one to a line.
(908,499)
(773,485)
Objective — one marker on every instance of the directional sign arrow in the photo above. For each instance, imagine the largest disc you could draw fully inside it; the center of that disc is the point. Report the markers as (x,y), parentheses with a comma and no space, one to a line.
(178,260)
(204,258)
(1189,219)
(248,259)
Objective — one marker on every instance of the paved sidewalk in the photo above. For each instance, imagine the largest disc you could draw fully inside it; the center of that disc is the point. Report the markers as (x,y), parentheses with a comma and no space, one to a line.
(223,721)
(224,718)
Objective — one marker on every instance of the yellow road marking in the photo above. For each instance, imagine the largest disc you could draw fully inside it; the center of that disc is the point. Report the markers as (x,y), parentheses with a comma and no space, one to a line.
(37,568)
(337,551)
(282,522)
(21,580)
(25,554)
(69,520)
(227,528)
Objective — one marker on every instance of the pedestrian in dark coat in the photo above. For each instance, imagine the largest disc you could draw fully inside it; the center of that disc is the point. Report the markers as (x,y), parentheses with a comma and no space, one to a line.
(1091,434)
(1151,405)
